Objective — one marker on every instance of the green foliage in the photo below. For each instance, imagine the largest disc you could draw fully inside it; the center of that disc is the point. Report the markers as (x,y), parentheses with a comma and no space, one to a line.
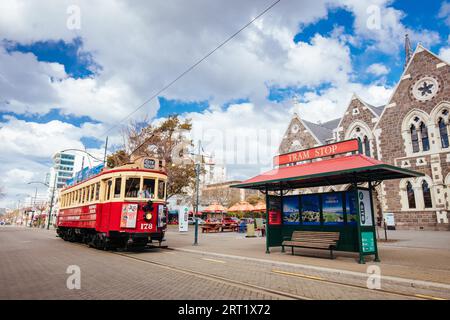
(164,140)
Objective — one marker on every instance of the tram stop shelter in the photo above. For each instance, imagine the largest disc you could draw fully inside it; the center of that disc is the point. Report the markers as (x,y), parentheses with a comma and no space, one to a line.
(350,212)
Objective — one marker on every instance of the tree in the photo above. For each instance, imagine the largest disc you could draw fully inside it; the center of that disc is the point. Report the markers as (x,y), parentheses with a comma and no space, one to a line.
(165,140)
(254,199)
(118,158)
(221,194)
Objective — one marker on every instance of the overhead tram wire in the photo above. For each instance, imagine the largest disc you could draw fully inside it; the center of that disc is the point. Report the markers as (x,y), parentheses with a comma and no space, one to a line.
(190,69)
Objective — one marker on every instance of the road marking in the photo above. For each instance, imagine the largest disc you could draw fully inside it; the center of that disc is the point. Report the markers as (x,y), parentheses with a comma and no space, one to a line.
(213,260)
(428,297)
(297,275)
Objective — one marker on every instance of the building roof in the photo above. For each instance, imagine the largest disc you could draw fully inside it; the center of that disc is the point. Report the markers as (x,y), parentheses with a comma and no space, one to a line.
(334,171)
(321,131)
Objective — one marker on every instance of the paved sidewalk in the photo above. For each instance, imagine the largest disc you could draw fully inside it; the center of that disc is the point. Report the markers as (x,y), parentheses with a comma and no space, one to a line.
(416,255)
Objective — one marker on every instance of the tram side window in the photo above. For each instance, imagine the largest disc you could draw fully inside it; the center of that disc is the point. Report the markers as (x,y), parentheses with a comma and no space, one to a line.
(92,192)
(161,189)
(86,194)
(132,187)
(117,187)
(97,191)
(82,196)
(148,189)
(108,189)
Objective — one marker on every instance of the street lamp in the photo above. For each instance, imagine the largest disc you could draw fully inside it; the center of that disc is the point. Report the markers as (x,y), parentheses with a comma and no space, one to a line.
(197,184)
(51,200)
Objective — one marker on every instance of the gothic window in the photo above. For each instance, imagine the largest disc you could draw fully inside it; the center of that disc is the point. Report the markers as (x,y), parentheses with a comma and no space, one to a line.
(424,137)
(443,133)
(366,146)
(414,138)
(426,195)
(410,193)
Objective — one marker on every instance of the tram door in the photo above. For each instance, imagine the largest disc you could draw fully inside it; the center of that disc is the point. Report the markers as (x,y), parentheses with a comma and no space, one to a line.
(106,207)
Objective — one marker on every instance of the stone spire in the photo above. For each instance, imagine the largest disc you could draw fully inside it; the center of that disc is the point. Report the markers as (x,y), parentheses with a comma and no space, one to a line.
(408,50)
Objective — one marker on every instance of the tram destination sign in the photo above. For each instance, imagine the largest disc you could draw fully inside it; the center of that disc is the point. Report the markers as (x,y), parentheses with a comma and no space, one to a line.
(317,152)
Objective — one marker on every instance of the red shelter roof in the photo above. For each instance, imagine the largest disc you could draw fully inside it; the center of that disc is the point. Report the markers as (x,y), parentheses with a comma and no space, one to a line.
(334,171)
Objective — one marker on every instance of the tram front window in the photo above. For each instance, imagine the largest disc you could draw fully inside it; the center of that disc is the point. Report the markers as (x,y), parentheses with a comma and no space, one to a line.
(148,189)
(132,187)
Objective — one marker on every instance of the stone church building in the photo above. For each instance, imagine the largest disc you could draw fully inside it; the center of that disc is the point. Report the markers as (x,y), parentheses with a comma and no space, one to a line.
(410,131)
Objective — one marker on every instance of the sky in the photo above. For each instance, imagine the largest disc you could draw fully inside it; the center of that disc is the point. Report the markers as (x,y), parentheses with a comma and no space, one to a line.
(72,71)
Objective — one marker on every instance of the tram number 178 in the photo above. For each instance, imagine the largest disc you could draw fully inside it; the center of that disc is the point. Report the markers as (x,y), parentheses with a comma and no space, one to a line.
(146,226)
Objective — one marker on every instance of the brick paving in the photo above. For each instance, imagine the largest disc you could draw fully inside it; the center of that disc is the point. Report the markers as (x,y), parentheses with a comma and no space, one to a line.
(418,255)
(33,265)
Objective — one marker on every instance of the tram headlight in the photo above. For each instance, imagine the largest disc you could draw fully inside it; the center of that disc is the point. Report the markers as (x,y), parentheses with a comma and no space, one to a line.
(148,216)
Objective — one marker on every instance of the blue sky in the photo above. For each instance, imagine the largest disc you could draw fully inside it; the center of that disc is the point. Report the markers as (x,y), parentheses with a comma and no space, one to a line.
(79,63)
(62,88)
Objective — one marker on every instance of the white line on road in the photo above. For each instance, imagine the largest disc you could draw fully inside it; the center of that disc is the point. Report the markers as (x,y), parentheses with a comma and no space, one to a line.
(213,260)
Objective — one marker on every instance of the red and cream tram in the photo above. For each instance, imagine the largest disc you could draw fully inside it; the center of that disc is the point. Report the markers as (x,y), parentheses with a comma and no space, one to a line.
(119,207)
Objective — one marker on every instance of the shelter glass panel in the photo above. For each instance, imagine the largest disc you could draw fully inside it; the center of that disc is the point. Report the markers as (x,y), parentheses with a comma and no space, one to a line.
(333,208)
(291,210)
(351,207)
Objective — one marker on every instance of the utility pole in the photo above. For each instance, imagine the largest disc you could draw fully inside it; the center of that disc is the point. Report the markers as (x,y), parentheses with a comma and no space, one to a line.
(33,207)
(106,149)
(197,185)
(197,188)
(51,203)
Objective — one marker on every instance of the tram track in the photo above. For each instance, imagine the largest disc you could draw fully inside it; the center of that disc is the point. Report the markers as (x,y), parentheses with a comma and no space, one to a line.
(261,289)
(281,294)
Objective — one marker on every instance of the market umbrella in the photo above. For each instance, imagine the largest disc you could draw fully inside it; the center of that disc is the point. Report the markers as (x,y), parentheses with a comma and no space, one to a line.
(215,208)
(241,206)
(260,207)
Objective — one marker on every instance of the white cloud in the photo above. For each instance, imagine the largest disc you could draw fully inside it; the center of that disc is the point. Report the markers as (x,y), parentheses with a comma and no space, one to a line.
(444,53)
(378,69)
(444,12)
(142,46)
(324,60)
(380,23)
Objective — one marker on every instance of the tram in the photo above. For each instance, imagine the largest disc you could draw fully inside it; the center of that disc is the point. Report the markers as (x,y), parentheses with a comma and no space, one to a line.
(121,207)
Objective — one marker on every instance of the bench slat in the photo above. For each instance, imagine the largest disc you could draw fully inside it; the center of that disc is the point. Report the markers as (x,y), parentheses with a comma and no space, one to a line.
(307,245)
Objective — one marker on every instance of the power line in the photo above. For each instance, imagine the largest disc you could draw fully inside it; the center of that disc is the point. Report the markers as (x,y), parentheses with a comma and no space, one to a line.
(191,68)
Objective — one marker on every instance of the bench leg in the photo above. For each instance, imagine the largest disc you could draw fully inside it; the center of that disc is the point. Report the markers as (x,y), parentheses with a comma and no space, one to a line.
(292,250)
(331,253)
(282,249)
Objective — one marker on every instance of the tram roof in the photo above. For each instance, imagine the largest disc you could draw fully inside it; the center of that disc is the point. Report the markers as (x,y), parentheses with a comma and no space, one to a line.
(342,170)
(115,170)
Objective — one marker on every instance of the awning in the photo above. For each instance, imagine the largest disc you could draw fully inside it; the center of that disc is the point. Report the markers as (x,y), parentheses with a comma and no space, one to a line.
(348,169)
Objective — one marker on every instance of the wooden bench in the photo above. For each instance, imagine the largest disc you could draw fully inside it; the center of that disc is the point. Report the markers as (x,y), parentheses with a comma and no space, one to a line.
(210,228)
(312,240)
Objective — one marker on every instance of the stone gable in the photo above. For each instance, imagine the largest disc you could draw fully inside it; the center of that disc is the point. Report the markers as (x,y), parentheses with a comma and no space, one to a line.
(402,102)
(297,137)
(363,114)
